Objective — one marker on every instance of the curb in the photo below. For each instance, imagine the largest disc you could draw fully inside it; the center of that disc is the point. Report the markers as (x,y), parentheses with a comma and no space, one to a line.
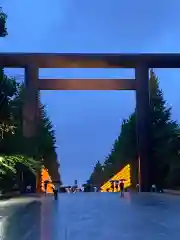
(173,192)
(10,212)
(34,202)
(17,222)
(9,195)
(24,207)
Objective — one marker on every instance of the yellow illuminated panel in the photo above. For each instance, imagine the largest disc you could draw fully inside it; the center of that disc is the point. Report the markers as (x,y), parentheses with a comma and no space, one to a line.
(46,177)
(125,173)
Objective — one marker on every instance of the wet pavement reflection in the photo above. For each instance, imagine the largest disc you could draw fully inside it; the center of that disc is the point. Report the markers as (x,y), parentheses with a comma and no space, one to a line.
(96,216)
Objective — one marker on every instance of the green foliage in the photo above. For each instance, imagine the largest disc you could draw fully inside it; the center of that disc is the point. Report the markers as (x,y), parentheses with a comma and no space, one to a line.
(46,144)
(3,18)
(9,163)
(96,176)
(164,144)
(17,152)
(8,88)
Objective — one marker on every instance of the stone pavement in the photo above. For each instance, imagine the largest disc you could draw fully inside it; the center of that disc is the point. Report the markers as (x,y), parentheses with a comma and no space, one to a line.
(97,216)
(10,211)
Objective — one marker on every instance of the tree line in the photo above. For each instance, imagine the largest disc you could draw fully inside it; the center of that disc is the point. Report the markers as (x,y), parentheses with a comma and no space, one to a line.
(164,146)
(19,155)
(21,159)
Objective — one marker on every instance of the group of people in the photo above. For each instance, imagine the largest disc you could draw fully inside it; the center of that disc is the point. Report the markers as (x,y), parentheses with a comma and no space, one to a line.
(116,185)
(54,188)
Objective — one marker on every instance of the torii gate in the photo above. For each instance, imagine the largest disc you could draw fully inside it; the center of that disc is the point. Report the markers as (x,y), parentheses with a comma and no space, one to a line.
(140,62)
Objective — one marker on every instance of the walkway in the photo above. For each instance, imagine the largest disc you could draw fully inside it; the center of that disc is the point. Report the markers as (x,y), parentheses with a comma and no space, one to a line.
(98,216)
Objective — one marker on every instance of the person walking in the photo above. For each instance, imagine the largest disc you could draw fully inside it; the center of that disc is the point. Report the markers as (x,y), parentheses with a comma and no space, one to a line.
(112,186)
(55,191)
(116,185)
(153,188)
(138,187)
(45,186)
(121,185)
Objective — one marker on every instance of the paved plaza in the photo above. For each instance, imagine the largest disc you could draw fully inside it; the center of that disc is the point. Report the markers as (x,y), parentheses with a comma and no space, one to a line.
(94,216)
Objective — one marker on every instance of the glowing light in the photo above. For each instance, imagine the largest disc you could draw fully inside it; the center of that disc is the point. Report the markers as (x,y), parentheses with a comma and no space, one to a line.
(125,173)
(46,177)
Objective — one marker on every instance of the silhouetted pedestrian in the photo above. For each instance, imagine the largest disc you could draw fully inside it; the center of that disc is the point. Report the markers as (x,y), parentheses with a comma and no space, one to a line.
(117,186)
(55,191)
(153,188)
(122,188)
(138,187)
(45,186)
(112,186)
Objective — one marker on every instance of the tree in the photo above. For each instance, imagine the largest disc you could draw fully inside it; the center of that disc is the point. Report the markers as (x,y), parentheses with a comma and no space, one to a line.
(3,18)
(18,154)
(11,154)
(97,175)
(8,88)
(47,145)
(41,148)
(165,142)
(165,135)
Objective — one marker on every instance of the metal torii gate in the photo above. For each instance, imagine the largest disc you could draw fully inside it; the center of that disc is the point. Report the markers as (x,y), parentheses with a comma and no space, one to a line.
(140,62)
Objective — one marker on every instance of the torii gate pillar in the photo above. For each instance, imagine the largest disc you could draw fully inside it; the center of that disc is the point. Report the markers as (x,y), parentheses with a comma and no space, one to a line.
(143,125)
(31,108)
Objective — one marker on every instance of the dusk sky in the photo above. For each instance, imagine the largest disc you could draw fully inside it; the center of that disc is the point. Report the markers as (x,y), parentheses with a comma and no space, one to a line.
(87,122)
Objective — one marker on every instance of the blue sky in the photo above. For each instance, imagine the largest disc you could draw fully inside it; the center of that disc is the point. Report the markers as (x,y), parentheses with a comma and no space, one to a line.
(87,123)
